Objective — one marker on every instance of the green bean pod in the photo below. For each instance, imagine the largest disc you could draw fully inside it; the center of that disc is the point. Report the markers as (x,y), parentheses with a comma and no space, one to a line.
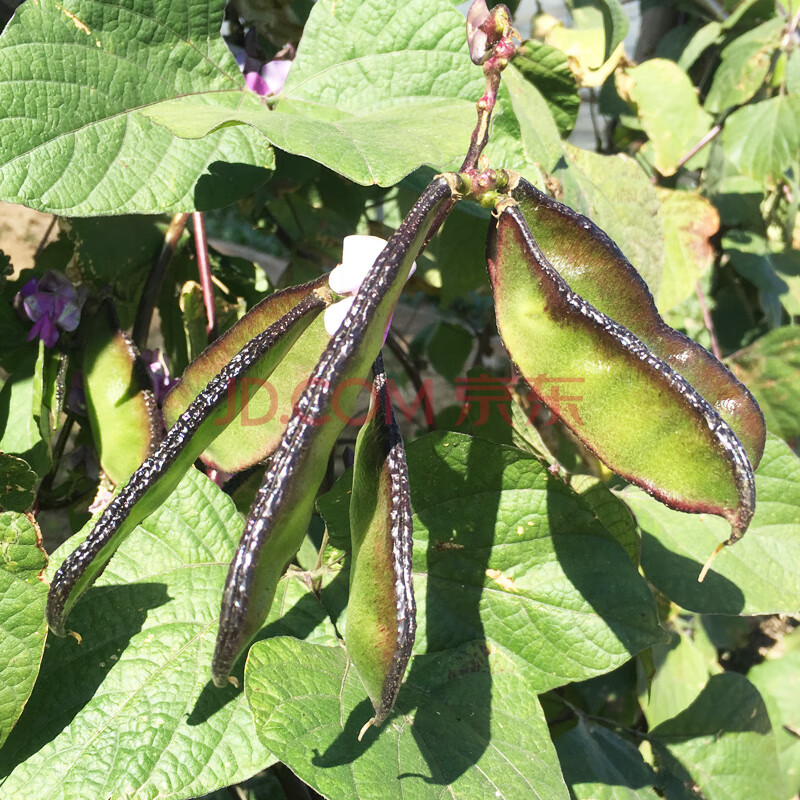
(161,472)
(595,268)
(252,434)
(122,410)
(639,416)
(381,612)
(280,514)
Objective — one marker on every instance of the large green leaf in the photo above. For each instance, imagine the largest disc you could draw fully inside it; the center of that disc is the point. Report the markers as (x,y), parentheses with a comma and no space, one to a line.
(506,552)
(667,106)
(745,64)
(541,140)
(758,574)
(681,674)
(22,627)
(725,742)
(599,765)
(130,712)
(74,78)
(778,681)
(441,740)
(763,139)
(378,88)
(771,368)
(20,410)
(547,68)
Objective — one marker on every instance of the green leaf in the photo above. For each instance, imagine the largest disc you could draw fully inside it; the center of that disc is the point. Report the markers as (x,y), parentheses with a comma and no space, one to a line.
(75,143)
(19,413)
(698,44)
(541,140)
(599,765)
(615,22)
(763,139)
(681,674)
(757,575)
(448,348)
(771,369)
(500,550)
(22,625)
(745,64)
(17,482)
(778,681)
(547,68)
(667,106)
(130,711)
(611,511)
(775,271)
(689,223)
(446,736)
(377,89)
(724,741)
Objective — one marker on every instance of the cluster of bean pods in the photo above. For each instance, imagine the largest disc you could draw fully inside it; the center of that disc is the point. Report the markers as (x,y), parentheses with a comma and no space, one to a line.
(657,409)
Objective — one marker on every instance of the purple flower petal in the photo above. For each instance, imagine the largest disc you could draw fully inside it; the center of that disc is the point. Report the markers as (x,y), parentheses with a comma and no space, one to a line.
(255,83)
(275,73)
(476,39)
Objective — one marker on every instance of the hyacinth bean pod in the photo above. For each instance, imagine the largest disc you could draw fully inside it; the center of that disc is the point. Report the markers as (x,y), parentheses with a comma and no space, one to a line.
(252,436)
(157,477)
(629,407)
(280,514)
(119,400)
(381,613)
(595,268)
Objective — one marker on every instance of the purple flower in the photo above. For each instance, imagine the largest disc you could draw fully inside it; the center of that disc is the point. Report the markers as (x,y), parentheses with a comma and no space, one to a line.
(269,79)
(262,78)
(159,374)
(51,302)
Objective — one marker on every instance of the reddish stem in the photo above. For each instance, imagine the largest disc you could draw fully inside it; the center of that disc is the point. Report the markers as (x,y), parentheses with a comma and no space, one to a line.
(708,322)
(204,268)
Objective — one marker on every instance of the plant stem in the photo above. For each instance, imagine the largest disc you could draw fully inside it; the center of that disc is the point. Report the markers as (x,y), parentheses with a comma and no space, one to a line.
(45,237)
(708,322)
(204,268)
(699,145)
(401,354)
(152,288)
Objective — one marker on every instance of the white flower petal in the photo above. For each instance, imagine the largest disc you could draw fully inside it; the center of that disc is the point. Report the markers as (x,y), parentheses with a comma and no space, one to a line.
(334,315)
(358,255)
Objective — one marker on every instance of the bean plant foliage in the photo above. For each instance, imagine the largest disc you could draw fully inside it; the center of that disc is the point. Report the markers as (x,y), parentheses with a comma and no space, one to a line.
(364,436)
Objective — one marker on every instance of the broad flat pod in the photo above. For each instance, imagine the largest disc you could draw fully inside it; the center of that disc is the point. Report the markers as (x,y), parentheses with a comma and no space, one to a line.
(595,268)
(161,472)
(381,613)
(282,509)
(267,390)
(119,400)
(637,414)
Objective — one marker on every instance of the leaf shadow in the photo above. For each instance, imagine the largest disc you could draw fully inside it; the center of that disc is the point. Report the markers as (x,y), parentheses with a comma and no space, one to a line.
(224,183)
(72,672)
(676,576)
(302,619)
